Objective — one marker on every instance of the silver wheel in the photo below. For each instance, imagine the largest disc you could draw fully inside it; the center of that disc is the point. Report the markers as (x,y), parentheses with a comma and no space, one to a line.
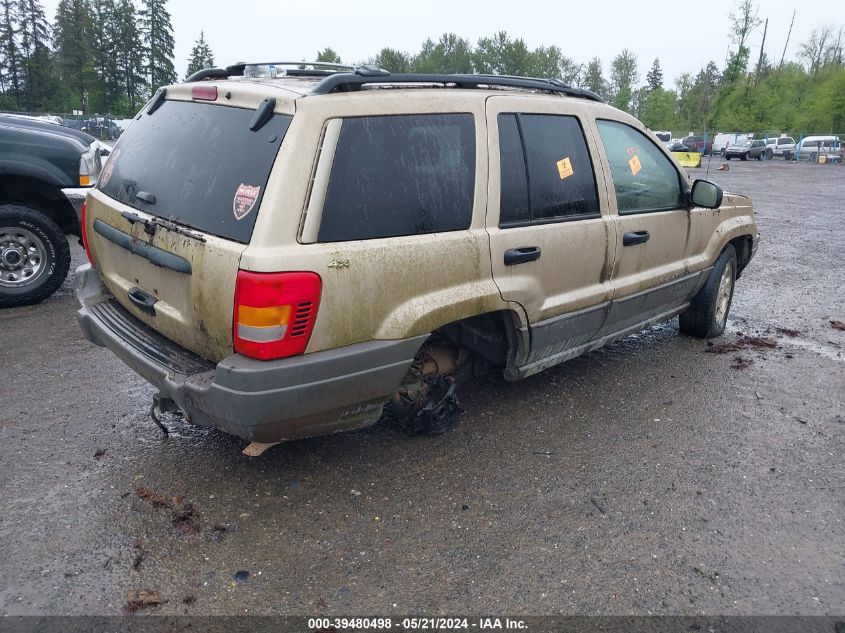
(23,257)
(723,295)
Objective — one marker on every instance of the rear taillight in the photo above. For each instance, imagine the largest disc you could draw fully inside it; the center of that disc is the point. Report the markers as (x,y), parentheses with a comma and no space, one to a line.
(274,313)
(84,230)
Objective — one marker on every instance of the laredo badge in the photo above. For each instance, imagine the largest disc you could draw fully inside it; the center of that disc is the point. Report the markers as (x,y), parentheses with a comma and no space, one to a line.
(245,198)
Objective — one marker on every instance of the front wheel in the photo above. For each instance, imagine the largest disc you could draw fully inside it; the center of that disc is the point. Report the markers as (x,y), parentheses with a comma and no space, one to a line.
(708,312)
(727,157)
(744,156)
(34,256)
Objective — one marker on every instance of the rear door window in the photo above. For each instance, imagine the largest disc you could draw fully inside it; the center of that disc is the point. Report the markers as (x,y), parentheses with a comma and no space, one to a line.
(200,162)
(400,175)
(546,172)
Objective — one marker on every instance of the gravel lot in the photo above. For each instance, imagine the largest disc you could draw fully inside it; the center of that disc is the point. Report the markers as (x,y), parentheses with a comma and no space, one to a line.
(651,477)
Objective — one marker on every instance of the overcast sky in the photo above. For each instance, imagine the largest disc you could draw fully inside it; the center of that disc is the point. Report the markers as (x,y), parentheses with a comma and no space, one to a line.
(684,35)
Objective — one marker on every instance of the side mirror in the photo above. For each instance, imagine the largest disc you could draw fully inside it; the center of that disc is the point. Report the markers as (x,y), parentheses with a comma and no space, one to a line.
(706,194)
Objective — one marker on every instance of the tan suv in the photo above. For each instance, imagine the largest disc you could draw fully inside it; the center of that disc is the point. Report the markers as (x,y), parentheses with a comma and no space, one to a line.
(282,256)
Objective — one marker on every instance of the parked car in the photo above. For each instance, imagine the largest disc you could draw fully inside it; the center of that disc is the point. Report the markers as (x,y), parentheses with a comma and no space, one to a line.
(812,147)
(104,128)
(721,142)
(748,149)
(698,144)
(664,137)
(783,146)
(45,172)
(281,259)
(678,146)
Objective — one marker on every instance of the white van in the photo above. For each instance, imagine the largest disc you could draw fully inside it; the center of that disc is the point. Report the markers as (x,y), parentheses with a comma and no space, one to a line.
(811,147)
(722,141)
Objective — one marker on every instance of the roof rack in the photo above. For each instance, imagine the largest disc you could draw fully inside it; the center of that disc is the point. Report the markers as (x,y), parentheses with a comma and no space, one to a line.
(343,78)
(291,69)
(349,82)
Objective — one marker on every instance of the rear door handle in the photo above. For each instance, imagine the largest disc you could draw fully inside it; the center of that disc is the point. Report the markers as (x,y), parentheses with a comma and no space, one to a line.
(144,301)
(635,237)
(521,255)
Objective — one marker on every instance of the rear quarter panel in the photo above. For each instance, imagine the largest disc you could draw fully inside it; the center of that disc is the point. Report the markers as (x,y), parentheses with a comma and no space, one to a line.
(389,288)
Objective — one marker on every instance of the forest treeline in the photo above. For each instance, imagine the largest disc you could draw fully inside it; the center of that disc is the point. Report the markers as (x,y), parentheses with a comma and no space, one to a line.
(108,56)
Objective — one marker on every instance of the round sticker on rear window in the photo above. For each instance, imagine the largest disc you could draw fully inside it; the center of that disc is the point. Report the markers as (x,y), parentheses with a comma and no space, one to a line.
(245,198)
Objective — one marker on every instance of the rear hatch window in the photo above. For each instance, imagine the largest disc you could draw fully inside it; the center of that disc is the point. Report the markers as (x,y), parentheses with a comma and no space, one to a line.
(196,164)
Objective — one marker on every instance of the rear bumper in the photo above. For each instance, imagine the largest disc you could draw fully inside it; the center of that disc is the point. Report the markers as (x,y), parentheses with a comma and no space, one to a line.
(265,401)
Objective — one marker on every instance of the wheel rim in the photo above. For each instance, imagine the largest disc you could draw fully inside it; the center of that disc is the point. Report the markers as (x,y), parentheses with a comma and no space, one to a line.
(723,297)
(23,257)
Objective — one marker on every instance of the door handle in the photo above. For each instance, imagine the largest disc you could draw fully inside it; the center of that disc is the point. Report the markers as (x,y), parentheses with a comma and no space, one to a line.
(521,255)
(144,301)
(635,237)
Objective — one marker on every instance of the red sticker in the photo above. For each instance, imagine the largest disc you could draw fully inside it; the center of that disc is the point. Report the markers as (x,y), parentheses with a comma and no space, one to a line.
(245,198)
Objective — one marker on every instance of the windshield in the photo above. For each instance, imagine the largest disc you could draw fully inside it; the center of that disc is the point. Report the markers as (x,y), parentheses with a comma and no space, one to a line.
(197,164)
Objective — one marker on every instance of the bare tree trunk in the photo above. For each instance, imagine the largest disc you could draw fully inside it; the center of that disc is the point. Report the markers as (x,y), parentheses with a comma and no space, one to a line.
(760,59)
(788,35)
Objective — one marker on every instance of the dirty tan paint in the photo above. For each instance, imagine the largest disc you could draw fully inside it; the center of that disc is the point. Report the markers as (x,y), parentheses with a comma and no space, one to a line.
(682,241)
(400,287)
(193,310)
(573,269)
(387,288)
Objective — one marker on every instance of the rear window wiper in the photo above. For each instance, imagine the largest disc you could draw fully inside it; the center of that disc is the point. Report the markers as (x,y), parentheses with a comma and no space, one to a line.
(151,224)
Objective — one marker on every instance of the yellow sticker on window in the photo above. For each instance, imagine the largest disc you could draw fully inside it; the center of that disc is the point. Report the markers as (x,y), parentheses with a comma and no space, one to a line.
(564,168)
(635,165)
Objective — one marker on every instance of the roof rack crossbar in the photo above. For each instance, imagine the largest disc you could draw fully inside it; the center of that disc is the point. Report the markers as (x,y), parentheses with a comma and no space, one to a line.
(349,82)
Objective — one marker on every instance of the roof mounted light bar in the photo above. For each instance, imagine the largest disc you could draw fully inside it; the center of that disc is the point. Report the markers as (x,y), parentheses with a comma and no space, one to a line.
(343,78)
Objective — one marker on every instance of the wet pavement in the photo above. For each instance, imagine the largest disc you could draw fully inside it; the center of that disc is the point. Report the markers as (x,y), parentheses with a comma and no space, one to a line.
(648,477)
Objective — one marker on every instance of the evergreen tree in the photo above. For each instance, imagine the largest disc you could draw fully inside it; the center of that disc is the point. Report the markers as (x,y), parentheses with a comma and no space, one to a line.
(201,56)
(157,34)
(37,69)
(654,78)
(72,35)
(129,53)
(328,55)
(104,21)
(10,63)
(593,78)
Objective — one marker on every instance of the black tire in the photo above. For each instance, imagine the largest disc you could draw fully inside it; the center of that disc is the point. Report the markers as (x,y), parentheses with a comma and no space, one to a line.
(700,319)
(744,156)
(727,157)
(51,251)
